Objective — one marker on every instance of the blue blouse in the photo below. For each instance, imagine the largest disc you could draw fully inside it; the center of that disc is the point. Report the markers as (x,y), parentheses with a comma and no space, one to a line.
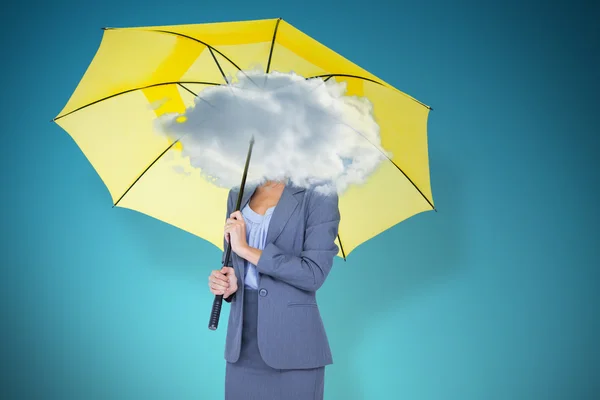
(257,227)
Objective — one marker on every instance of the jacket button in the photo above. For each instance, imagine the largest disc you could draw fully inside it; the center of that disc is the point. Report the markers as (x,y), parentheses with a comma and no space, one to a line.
(263,292)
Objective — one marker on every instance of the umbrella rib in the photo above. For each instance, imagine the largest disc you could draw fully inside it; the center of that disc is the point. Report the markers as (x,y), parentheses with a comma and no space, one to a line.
(218,65)
(272,45)
(235,65)
(329,76)
(400,169)
(212,51)
(389,159)
(188,90)
(195,95)
(133,90)
(341,247)
(210,48)
(146,170)
(411,181)
(395,165)
(195,40)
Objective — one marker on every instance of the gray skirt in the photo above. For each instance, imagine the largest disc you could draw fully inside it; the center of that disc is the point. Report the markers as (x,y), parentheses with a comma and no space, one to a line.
(250,378)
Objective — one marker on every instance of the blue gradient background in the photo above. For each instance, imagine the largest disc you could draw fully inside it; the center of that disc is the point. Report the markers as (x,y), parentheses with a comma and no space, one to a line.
(494,297)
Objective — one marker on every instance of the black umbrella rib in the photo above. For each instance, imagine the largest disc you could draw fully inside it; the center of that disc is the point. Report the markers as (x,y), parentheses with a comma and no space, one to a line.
(386,156)
(399,169)
(188,90)
(210,48)
(146,170)
(218,65)
(194,39)
(272,45)
(329,76)
(133,90)
(341,247)
(411,181)
(270,55)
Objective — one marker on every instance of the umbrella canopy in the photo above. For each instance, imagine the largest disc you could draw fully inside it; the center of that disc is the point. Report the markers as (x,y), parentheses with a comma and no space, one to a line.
(141,73)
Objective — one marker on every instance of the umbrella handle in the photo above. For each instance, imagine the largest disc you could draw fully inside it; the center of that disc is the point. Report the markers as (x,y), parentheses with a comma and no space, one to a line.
(215,313)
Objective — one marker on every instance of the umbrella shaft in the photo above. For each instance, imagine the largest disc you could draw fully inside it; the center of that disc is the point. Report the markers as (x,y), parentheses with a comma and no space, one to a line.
(218,302)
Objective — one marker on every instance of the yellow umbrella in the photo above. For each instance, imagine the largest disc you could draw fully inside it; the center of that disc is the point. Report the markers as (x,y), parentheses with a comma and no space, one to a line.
(112,111)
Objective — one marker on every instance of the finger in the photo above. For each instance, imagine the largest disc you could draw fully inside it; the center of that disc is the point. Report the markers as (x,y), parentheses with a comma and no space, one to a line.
(234,224)
(229,291)
(218,276)
(218,291)
(229,223)
(236,215)
(220,282)
(229,227)
(218,273)
(218,285)
(214,286)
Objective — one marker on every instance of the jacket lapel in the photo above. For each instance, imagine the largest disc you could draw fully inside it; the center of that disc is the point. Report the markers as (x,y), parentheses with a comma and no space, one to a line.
(248,192)
(283,211)
(285,208)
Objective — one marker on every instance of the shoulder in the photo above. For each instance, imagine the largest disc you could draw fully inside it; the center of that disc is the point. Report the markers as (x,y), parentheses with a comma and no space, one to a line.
(231,199)
(321,205)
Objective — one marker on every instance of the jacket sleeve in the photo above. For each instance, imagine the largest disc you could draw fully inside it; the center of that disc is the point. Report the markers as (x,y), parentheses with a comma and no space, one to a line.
(309,270)
(229,211)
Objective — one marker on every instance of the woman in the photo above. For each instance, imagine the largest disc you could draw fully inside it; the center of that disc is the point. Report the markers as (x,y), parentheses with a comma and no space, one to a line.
(283,246)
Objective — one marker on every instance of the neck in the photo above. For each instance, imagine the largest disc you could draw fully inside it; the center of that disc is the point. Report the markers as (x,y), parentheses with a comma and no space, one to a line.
(272,184)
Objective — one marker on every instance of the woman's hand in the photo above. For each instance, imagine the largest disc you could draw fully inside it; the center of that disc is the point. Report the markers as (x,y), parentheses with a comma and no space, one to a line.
(223,282)
(235,233)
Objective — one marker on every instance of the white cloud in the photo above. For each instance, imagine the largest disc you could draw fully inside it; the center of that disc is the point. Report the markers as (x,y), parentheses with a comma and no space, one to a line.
(306,130)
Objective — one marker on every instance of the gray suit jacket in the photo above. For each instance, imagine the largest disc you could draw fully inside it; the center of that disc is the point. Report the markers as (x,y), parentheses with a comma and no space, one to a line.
(296,260)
